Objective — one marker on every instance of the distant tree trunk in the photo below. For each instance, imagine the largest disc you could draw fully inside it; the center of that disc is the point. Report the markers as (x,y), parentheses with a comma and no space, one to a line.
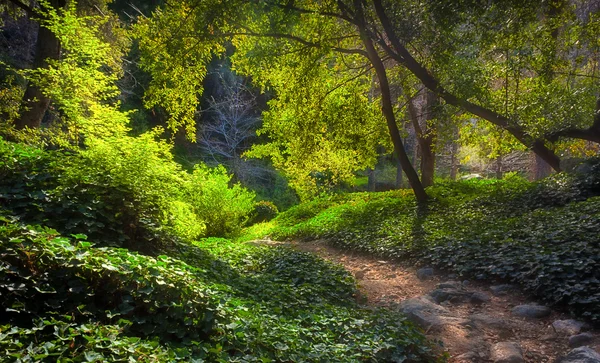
(387,108)
(399,176)
(499,172)
(35,103)
(453,161)
(372,182)
(541,168)
(425,137)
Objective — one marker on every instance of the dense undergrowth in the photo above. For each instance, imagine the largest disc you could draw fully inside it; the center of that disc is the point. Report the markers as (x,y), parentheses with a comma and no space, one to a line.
(122,192)
(67,300)
(542,235)
(165,296)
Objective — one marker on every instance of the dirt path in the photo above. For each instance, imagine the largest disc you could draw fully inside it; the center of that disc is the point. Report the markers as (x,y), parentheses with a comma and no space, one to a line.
(475,321)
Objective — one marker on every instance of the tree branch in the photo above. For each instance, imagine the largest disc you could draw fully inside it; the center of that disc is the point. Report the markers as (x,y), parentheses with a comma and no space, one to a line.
(289,6)
(296,39)
(24,7)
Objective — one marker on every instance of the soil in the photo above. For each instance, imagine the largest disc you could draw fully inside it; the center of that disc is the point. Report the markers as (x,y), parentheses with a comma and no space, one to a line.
(471,330)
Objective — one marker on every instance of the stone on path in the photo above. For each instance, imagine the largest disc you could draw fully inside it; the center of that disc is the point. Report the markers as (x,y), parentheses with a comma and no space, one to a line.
(427,314)
(479,297)
(581,355)
(498,290)
(531,311)
(425,273)
(579,340)
(507,352)
(568,327)
(452,295)
(449,285)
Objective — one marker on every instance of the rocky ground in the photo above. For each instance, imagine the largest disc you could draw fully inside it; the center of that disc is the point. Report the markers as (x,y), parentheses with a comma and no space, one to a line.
(474,321)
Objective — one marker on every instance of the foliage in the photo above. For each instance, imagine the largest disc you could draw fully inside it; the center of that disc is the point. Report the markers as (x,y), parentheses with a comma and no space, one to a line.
(224,208)
(175,50)
(68,300)
(121,192)
(541,235)
(82,84)
(263,211)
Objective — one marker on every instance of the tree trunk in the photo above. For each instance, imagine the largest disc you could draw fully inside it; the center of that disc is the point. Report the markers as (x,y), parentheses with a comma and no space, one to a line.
(453,162)
(387,108)
(398,174)
(498,165)
(372,182)
(541,168)
(35,103)
(425,136)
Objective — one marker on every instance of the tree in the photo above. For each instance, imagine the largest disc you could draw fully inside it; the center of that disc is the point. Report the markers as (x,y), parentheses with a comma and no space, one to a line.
(229,125)
(456,50)
(82,83)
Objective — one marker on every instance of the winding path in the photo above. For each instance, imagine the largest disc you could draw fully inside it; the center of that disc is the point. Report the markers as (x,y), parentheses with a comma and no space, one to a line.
(475,321)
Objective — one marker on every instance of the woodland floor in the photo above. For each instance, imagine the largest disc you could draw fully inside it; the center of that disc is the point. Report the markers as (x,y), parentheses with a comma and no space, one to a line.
(469,331)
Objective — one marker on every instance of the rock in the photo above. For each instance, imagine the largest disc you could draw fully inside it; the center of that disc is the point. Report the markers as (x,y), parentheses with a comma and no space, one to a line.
(452,277)
(479,297)
(427,314)
(425,273)
(498,290)
(449,285)
(483,321)
(466,283)
(579,340)
(422,303)
(531,311)
(581,355)
(507,352)
(568,327)
(451,295)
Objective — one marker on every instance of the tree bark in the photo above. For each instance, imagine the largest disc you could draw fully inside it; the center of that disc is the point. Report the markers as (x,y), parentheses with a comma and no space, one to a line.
(403,56)
(425,137)
(35,102)
(453,163)
(387,108)
(371,181)
(499,172)
(399,177)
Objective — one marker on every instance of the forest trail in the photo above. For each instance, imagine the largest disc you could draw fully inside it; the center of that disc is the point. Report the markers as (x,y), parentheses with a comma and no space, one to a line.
(475,321)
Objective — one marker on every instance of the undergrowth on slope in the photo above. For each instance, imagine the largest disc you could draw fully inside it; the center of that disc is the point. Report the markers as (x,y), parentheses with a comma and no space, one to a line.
(541,235)
(216,301)
(120,192)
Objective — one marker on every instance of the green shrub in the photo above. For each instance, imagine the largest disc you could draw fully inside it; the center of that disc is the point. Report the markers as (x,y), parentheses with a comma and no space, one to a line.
(122,191)
(224,208)
(263,211)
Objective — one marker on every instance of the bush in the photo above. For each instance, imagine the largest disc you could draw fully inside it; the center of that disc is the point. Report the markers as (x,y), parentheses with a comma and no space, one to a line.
(263,211)
(223,208)
(121,192)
